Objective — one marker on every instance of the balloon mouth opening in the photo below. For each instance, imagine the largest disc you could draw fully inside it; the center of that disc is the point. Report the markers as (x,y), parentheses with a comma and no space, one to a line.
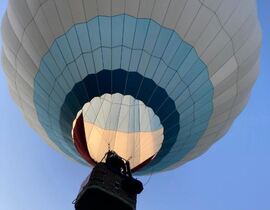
(119,123)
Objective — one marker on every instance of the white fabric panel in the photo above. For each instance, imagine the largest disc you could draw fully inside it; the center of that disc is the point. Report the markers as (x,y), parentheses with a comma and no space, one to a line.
(33,6)
(9,71)
(238,107)
(77,10)
(25,67)
(8,36)
(51,13)
(252,43)
(226,9)
(247,65)
(209,34)
(227,105)
(43,25)
(117,112)
(225,96)
(132,7)
(11,57)
(118,7)
(220,59)
(24,90)
(90,8)
(246,82)
(104,7)
(66,14)
(219,119)
(242,35)
(203,145)
(216,128)
(34,44)
(239,16)
(29,110)
(160,10)
(199,25)
(215,47)
(175,9)
(212,4)
(190,12)
(36,38)
(146,8)
(228,68)
(97,108)
(19,16)
(226,83)
(29,48)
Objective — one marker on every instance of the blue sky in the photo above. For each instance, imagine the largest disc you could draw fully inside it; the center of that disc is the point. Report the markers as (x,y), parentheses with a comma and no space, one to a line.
(233,175)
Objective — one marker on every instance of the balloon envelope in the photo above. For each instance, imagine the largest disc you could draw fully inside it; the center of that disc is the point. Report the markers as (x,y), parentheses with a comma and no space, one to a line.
(157,81)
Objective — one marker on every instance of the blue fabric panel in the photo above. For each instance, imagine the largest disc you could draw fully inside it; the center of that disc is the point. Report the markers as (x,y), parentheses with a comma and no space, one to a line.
(172,47)
(73,42)
(116,57)
(94,33)
(105,31)
(107,58)
(80,64)
(117,32)
(140,34)
(89,62)
(83,37)
(180,55)
(58,57)
(162,42)
(152,35)
(129,30)
(64,48)
(135,57)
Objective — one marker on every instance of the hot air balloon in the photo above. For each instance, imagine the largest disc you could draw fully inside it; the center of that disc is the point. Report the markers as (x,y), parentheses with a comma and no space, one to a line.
(155,81)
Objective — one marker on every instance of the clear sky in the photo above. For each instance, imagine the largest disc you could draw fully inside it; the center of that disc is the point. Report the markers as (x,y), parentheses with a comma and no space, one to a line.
(233,175)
